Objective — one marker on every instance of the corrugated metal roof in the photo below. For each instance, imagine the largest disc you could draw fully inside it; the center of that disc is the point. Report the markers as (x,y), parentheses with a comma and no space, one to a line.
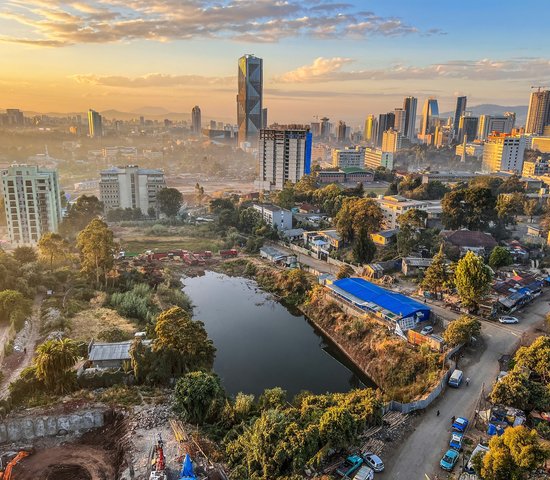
(112,351)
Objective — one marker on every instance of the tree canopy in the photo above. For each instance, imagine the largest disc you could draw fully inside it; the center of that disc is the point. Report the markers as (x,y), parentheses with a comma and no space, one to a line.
(500,257)
(169,201)
(472,208)
(54,361)
(437,276)
(461,330)
(199,397)
(52,248)
(472,279)
(97,249)
(80,214)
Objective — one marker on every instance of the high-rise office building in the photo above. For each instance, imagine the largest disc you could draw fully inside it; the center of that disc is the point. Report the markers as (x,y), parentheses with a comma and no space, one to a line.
(399,123)
(371,126)
(95,124)
(391,141)
(285,155)
(467,128)
(499,124)
(376,158)
(348,157)
(459,112)
(325,127)
(249,98)
(341,132)
(538,115)
(409,105)
(196,120)
(264,117)
(32,202)
(385,122)
(14,116)
(131,187)
(430,117)
(503,153)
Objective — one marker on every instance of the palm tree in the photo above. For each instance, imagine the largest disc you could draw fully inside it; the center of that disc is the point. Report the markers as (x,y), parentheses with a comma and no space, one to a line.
(53,361)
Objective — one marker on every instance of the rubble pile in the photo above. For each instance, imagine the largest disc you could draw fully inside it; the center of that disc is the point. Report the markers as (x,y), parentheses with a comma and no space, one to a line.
(150,416)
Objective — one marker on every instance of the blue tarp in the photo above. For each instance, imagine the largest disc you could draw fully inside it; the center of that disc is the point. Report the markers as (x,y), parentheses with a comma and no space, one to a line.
(360,291)
(187,469)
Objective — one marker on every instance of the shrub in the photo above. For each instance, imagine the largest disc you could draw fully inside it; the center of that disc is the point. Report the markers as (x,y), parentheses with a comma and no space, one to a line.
(113,334)
(121,395)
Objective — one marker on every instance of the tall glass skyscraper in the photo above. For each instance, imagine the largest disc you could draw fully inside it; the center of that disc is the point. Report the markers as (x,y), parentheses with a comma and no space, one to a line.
(538,115)
(196,120)
(409,105)
(95,124)
(249,98)
(459,112)
(430,115)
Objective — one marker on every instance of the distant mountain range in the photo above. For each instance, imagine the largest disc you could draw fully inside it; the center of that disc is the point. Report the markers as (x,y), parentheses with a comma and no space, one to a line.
(491,109)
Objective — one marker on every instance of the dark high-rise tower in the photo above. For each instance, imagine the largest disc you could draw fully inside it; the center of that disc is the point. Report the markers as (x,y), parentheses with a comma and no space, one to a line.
(459,112)
(196,120)
(249,98)
(430,116)
(385,122)
(409,105)
(538,115)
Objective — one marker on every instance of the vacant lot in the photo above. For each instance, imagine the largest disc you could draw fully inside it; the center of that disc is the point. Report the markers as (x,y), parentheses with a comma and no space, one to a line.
(87,324)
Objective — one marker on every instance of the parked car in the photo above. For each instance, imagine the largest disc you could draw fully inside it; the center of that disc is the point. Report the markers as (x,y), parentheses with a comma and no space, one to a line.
(374,461)
(449,460)
(427,330)
(456,378)
(364,473)
(456,441)
(508,320)
(349,466)
(460,424)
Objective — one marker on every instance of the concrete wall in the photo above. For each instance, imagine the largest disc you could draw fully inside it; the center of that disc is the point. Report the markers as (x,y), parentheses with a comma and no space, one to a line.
(15,429)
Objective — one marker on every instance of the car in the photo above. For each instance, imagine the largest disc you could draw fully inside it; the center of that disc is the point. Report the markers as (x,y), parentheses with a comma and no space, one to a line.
(427,330)
(508,320)
(460,424)
(449,460)
(364,473)
(374,462)
(456,441)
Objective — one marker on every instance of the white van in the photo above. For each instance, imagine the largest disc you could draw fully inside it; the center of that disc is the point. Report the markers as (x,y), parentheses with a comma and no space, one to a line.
(455,379)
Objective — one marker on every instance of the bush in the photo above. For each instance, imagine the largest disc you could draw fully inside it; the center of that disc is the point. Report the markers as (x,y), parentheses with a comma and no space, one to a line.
(174,297)
(136,303)
(121,395)
(113,334)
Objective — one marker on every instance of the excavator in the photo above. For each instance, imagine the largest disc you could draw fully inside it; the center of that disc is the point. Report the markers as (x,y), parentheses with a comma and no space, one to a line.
(6,473)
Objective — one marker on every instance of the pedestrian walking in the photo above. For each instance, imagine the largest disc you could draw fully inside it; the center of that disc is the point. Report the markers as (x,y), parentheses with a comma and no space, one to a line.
(467,381)
(453,418)
(438,413)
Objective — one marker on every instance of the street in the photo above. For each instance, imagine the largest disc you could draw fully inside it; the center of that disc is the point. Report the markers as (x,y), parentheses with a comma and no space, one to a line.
(420,452)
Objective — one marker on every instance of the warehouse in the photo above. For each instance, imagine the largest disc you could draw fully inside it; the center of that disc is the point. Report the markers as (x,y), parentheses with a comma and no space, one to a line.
(390,306)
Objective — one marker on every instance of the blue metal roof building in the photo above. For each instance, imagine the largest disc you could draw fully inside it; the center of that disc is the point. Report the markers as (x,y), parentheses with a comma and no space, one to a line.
(389,305)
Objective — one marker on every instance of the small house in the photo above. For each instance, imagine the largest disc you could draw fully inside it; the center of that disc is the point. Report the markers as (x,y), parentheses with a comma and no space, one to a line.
(413,265)
(111,355)
(384,237)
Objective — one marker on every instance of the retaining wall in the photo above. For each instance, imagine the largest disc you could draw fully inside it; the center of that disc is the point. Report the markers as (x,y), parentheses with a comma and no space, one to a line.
(29,428)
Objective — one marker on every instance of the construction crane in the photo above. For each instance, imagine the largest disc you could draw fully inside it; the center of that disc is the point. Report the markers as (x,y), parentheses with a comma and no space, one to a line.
(6,474)
(538,87)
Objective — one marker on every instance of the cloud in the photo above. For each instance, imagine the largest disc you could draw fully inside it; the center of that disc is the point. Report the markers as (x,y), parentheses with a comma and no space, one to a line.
(152,80)
(67,22)
(331,70)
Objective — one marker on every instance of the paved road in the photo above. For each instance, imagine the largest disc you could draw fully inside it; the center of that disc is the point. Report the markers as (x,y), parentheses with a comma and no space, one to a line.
(420,452)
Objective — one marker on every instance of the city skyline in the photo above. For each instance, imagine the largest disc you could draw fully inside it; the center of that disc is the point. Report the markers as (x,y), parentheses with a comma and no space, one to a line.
(344,62)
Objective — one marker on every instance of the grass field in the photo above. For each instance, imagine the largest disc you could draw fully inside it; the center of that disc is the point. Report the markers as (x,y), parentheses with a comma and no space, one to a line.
(140,244)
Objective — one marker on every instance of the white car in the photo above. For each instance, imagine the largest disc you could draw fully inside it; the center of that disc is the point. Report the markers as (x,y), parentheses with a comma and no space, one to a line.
(374,462)
(508,320)
(364,473)
(427,330)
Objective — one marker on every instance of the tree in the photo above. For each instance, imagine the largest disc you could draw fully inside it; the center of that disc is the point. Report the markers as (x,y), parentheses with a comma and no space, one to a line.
(182,343)
(169,201)
(531,207)
(52,247)
(536,357)
(364,248)
(80,214)
(199,397)
(461,330)
(512,390)
(54,361)
(471,208)
(358,216)
(472,279)
(345,271)
(500,257)
(436,277)
(509,206)
(249,220)
(286,197)
(511,185)
(14,307)
(24,254)
(414,218)
(513,455)
(97,249)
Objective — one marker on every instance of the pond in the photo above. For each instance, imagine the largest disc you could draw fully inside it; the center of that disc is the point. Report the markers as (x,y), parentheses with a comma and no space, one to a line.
(261,344)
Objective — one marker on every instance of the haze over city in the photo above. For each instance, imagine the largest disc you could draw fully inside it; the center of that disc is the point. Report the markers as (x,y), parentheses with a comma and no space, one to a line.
(342,59)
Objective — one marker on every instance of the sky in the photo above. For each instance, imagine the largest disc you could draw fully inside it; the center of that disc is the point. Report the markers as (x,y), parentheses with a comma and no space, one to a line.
(343,59)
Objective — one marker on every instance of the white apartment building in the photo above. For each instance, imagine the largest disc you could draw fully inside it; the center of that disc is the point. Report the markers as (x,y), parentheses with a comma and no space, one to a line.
(279,218)
(375,157)
(31,201)
(393,206)
(503,153)
(130,187)
(348,157)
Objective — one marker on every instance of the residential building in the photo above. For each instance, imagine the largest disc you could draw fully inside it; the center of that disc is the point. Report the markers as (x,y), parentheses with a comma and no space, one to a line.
(131,187)
(391,141)
(467,128)
(95,124)
(31,201)
(430,117)
(285,155)
(111,355)
(535,168)
(414,265)
(468,240)
(375,157)
(385,121)
(341,136)
(322,242)
(249,98)
(384,238)
(14,116)
(470,149)
(196,121)
(538,115)
(348,157)
(393,206)
(489,124)
(448,177)
(409,105)
(399,123)
(542,144)
(459,112)
(503,152)
(345,175)
(276,217)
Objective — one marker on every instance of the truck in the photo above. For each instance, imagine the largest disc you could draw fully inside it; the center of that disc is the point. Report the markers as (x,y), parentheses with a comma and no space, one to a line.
(229,253)
(349,466)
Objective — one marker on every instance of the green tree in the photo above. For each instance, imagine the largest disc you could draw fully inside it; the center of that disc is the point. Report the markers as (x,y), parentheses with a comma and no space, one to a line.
(286,197)
(14,307)
(472,279)
(199,397)
(54,362)
(24,254)
(182,343)
(272,398)
(437,277)
(80,214)
(53,247)
(97,249)
(169,201)
(512,390)
(364,248)
(513,455)
(472,208)
(250,220)
(536,358)
(531,207)
(461,330)
(509,206)
(511,185)
(358,217)
(500,257)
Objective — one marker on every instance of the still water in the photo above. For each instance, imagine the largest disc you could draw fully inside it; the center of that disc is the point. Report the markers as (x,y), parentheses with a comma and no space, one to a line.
(261,344)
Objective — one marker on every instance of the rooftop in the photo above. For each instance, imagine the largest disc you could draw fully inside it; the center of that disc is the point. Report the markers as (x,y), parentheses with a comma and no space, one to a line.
(111,351)
(469,238)
(348,170)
